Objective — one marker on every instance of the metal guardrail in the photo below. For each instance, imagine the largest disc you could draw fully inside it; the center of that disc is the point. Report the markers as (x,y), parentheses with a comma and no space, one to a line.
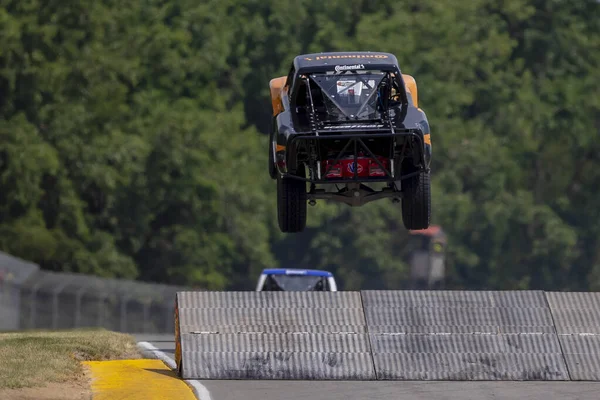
(13,273)
(34,299)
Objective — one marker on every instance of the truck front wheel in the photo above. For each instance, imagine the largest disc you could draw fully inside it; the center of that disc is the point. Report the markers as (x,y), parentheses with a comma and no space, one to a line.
(416,202)
(292,203)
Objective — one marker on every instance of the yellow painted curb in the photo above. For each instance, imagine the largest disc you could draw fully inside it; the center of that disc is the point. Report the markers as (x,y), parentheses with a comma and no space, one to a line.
(136,379)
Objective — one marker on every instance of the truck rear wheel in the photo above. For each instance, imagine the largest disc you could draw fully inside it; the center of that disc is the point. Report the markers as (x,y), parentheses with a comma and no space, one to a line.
(416,202)
(292,203)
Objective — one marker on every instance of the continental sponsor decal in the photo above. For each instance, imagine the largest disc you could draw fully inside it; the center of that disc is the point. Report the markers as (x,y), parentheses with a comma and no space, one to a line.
(339,68)
(375,56)
(354,126)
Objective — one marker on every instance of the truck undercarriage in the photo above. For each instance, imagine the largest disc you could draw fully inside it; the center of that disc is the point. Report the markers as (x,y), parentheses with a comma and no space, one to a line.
(349,166)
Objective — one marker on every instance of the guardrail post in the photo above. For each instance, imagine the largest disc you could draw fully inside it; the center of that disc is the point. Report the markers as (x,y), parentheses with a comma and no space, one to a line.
(33,305)
(146,313)
(169,317)
(78,296)
(124,301)
(54,310)
(101,298)
(55,294)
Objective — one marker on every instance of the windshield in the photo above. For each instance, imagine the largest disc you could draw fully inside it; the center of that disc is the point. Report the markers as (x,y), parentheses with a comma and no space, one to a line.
(350,95)
(295,283)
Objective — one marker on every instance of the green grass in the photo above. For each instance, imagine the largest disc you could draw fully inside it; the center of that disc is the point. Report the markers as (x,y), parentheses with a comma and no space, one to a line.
(34,358)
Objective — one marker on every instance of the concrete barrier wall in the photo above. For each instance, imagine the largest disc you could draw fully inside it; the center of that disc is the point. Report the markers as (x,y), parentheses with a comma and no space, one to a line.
(388,335)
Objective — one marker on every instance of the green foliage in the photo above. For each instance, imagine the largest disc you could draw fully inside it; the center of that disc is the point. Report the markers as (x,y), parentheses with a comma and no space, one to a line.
(132,139)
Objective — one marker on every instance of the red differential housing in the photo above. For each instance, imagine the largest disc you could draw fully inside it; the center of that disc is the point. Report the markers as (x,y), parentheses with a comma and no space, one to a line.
(344,168)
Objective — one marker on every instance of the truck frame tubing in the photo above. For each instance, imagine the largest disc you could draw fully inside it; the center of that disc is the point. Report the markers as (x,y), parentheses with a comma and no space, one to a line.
(358,143)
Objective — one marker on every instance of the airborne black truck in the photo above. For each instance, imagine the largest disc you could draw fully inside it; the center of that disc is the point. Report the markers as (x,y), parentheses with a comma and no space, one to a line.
(347,127)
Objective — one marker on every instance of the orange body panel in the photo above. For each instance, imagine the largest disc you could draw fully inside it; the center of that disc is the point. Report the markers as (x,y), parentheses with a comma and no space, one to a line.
(276,86)
(411,87)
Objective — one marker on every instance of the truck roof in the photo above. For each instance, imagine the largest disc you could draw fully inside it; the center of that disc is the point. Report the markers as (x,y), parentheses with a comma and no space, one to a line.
(314,62)
(297,271)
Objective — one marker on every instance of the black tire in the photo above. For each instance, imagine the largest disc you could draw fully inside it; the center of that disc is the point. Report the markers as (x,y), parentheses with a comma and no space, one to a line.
(291,203)
(272,168)
(416,202)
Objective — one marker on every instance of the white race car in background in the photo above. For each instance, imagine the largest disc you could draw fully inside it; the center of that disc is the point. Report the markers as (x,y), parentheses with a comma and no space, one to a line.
(293,279)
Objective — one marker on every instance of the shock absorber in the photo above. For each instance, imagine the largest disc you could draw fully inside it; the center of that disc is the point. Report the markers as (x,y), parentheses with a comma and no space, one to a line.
(312,147)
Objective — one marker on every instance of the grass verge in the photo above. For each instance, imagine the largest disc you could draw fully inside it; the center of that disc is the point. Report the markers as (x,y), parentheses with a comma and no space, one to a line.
(36,358)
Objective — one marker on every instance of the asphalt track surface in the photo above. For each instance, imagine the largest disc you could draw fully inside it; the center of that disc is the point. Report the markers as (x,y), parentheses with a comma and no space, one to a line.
(380,390)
